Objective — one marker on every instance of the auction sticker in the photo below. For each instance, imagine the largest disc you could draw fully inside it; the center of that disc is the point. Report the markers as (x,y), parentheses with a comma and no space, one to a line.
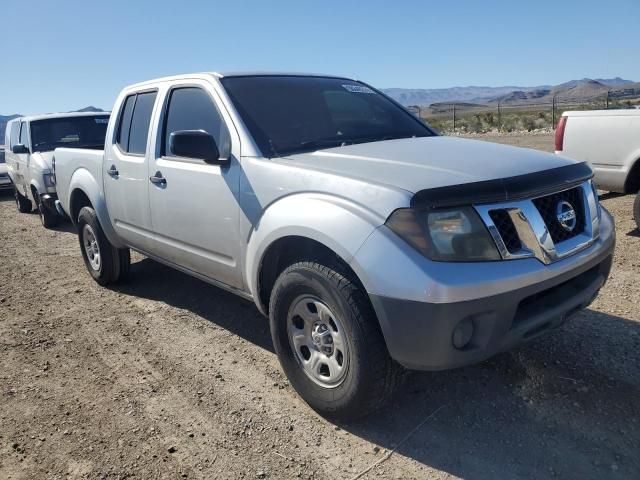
(357,89)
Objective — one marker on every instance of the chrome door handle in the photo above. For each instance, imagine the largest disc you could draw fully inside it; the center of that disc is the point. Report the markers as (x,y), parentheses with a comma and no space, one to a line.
(113,171)
(158,179)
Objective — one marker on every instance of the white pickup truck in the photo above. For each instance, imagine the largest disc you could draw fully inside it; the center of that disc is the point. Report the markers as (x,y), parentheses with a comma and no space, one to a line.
(610,141)
(371,242)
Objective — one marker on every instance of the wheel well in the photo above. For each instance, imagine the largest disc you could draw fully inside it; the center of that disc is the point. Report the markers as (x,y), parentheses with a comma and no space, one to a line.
(34,192)
(289,250)
(632,185)
(78,200)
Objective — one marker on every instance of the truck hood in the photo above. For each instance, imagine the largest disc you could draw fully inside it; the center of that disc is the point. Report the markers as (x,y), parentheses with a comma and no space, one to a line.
(415,164)
(44,160)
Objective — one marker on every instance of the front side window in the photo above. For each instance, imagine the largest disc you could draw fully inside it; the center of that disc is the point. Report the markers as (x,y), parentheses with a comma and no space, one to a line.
(191,108)
(24,136)
(134,122)
(14,135)
(293,114)
(75,132)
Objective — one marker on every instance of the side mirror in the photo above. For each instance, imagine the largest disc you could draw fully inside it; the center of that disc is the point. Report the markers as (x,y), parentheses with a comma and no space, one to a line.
(19,148)
(195,144)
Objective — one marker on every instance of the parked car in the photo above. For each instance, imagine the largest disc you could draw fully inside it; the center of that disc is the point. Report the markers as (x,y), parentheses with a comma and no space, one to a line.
(30,143)
(5,181)
(610,141)
(371,243)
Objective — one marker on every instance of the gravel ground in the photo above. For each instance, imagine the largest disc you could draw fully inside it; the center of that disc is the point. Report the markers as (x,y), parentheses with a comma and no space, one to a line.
(168,377)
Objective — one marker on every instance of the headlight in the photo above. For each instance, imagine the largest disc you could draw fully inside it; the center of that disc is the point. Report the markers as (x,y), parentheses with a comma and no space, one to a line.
(447,235)
(49,180)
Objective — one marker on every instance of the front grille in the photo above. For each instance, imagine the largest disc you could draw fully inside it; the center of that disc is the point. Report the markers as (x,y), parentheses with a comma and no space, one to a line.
(506,229)
(547,206)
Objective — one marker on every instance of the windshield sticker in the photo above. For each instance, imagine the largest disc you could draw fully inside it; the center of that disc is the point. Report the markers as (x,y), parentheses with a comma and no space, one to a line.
(101,120)
(357,89)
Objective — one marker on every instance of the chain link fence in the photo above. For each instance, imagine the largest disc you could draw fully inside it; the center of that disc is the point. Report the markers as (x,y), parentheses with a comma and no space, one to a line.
(459,117)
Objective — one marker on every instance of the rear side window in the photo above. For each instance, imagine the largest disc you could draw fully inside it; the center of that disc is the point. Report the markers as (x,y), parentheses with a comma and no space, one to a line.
(191,108)
(135,121)
(125,123)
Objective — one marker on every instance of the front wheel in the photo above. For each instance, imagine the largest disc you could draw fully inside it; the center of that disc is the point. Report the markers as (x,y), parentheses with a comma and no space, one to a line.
(106,263)
(23,203)
(329,342)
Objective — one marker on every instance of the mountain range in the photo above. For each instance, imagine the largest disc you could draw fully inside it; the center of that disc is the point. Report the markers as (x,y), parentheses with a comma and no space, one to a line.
(572,90)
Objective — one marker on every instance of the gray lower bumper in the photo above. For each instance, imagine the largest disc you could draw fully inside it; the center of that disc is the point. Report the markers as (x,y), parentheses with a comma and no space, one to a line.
(420,335)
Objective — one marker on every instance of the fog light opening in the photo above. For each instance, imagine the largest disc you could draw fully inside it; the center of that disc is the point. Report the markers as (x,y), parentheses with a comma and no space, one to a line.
(463,333)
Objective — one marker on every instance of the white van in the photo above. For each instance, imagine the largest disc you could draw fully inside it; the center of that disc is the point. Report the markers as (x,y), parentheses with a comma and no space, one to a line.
(30,143)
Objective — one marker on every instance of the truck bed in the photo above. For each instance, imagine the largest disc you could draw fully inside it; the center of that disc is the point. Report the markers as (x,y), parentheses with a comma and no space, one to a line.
(70,163)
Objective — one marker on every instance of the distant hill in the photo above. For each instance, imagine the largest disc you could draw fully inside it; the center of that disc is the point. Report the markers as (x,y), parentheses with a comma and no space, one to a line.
(4,119)
(509,94)
(90,108)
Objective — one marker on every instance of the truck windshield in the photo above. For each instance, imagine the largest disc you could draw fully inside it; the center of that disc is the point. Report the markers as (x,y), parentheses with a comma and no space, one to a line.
(294,114)
(78,132)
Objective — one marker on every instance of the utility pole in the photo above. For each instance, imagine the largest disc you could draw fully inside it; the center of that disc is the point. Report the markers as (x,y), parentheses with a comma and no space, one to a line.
(608,99)
(553,112)
(499,118)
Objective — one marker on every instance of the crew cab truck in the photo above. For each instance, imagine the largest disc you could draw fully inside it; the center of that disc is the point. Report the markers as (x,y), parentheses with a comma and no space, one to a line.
(370,242)
(30,143)
(610,141)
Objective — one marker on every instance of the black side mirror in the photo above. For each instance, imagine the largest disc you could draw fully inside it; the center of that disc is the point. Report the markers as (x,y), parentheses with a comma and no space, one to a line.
(19,148)
(195,144)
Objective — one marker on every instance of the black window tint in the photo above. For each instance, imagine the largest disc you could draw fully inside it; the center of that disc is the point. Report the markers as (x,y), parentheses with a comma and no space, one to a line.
(193,109)
(290,114)
(24,138)
(140,122)
(125,123)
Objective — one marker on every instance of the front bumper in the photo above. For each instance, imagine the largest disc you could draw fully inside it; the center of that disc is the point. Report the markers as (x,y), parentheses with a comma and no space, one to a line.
(49,200)
(420,334)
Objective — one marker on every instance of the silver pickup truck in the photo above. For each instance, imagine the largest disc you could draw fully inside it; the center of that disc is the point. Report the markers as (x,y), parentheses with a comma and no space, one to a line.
(371,242)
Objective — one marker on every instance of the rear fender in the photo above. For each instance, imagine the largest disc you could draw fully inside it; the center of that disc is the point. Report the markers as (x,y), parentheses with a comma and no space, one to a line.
(83,180)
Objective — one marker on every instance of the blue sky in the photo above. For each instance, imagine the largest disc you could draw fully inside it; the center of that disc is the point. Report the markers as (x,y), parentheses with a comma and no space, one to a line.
(64,55)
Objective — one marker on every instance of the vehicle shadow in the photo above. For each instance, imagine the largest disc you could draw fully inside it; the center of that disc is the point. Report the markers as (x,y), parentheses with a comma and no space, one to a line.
(154,281)
(565,405)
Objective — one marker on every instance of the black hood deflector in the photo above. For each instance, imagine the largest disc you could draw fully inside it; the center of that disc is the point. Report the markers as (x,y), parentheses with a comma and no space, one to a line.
(520,187)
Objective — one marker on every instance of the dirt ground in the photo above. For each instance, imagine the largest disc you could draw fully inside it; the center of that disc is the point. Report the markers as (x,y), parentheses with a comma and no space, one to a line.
(168,377)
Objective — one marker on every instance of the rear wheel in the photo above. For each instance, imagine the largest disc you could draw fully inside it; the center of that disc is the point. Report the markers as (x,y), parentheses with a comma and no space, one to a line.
(636,210)
(23,203)
(329,342)
(106,263)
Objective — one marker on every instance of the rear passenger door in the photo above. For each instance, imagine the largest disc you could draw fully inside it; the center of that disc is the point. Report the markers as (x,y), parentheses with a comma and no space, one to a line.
(195,211)
(126,182)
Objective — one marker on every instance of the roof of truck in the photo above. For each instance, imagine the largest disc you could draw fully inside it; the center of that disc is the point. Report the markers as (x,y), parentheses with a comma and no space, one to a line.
(201,75)
(45,116)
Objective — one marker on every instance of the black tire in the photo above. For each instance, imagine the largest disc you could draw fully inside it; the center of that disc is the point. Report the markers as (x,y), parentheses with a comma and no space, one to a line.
(48,218)
(636,210)
(113,263)
(23,203)
(371,377)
